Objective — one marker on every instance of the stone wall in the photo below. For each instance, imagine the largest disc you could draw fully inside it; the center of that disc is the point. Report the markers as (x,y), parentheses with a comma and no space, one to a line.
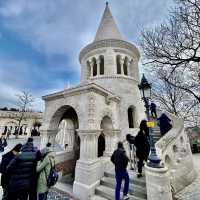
(66,167)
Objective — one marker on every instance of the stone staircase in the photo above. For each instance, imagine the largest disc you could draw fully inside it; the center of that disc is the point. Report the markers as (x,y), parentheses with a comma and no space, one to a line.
(106,189)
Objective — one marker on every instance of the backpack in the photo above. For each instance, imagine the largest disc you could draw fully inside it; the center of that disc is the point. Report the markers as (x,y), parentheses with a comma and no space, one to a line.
(52,178)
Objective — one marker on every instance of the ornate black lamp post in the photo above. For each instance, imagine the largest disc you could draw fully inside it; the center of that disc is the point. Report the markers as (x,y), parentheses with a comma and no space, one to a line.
(145,90)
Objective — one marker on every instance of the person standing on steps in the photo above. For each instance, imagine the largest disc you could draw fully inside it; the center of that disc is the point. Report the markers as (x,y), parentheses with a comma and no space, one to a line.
(165,124)
(153,110)
(142,146)
(120,160)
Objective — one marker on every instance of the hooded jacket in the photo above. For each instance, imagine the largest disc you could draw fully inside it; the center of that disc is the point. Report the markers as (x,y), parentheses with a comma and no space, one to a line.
(120,159)
(43,169)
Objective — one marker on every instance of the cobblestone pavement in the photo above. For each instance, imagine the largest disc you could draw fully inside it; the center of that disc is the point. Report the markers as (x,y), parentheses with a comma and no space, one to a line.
(56,195)
(192,192)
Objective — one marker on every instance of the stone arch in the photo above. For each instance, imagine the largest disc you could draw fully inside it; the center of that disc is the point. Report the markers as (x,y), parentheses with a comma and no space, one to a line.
(10,127)
(167,161)
(106,112)
(118,57)
(101,145)
(131,116)
(60,113)
(64,121)
(109,136)
(66,134)
(125,66)
(175,148)
(101,60)
(94,61)
(106,123)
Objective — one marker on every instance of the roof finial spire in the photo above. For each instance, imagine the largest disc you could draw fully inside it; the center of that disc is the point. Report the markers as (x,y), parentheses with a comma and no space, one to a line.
(107,28)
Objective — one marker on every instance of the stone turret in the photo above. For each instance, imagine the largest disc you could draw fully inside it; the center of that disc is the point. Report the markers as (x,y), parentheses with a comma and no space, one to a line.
(109,56)
(112,63)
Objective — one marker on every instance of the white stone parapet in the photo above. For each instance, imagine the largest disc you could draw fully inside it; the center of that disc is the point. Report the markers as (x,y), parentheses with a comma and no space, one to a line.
(158,183)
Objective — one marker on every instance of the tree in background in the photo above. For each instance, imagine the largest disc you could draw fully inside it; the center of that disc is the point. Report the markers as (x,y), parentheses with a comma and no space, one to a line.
(172,50)
(24,103)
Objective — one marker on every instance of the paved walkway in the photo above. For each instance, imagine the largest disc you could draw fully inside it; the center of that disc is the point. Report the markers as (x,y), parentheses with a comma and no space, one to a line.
(192,192)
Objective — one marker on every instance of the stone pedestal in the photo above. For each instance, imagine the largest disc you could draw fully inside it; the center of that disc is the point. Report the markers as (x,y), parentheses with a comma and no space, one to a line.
(88,167)
(158,183)
(87,177)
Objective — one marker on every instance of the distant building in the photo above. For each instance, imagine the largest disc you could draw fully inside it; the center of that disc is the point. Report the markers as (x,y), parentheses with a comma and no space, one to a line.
(9,123)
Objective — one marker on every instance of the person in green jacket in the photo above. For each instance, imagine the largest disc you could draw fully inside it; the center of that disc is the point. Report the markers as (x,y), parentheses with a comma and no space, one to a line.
(43,170)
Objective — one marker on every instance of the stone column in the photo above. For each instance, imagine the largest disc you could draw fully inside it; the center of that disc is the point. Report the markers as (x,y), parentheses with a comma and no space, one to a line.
(91,68)
(89,144)
(111,140)
(158,183)
(98,67)
(121,65)
(88,167)
(128,68)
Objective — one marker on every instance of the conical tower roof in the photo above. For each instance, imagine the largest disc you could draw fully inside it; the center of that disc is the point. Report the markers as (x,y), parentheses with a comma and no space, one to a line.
(107,28)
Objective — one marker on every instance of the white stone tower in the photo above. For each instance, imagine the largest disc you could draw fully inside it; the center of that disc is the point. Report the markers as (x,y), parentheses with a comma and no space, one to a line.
(88,120)
(112,63)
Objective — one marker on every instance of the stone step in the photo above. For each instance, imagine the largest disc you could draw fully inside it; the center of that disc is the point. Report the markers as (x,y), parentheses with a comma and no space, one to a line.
(109,193)
(132,176)
(97,197)
(136,190)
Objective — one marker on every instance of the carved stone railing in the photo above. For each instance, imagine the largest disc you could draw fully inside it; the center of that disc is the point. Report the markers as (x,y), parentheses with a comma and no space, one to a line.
(175,153)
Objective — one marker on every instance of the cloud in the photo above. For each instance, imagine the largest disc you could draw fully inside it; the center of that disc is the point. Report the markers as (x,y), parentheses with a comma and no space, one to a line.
(48,36)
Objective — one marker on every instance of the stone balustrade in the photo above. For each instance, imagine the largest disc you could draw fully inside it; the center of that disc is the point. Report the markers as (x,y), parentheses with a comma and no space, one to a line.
(175,153)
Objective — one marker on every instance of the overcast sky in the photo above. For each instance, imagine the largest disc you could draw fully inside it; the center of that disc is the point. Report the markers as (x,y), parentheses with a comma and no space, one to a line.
(40,40)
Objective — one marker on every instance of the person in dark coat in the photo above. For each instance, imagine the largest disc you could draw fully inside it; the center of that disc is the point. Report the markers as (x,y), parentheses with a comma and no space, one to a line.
(164,123)
(153,110)
(22,170)
(3,143)
(5,177)
(142,146)
(120,160)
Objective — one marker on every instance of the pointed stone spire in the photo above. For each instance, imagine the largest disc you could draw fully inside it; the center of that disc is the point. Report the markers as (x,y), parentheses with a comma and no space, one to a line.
(107,28)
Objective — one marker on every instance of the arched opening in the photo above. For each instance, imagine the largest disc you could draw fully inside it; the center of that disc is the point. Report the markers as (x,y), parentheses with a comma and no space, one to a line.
(94,66)
(101,145)
(10,128)
(125,66)
(106,141)
(66,140)
(131,116)
(118,64)
(101,65)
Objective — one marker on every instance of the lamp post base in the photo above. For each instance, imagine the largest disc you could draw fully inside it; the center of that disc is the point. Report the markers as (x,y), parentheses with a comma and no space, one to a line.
(153,160)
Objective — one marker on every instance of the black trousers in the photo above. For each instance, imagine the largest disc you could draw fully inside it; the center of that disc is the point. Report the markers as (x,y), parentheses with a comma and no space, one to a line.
(43,196)
(18,195)
(140,165)
(5,193)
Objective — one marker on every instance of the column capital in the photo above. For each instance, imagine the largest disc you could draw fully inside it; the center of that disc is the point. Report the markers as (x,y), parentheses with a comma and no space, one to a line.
(91,62)
(98,60)
(89,132)
(121,60)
